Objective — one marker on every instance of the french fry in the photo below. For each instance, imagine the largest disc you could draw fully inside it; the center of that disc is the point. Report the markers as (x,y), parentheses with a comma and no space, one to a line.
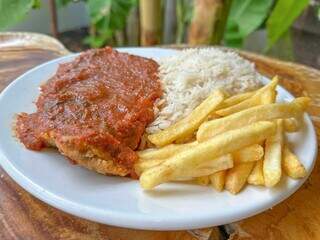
(187,139)
(256,176)
(188,125)
(264,95)
(291,164)
(152,157)
(267,112)
(246,154)
(235,99)
(209,167)
(249,154)
(203,181)
(292,124)
(192,158)
(218,179)
(273,156)
(237,177)
(164,152)
(145,164)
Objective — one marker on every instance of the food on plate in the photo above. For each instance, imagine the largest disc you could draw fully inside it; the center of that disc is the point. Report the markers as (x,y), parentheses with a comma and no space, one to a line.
(292,124)
(203,181)
(191,75)
(263,95)
(95,110)
(273,155)
(152,157)
(98,109)
(256,176)
(188,125)
(265,112)
(252,137)
(237,176)
(235,99)
(291,164)
(249,154)
(209,167)
(219,145)
(218,179)
(198,116)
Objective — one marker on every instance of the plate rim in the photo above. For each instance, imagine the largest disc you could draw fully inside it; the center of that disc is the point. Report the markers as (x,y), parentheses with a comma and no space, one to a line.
(128,220)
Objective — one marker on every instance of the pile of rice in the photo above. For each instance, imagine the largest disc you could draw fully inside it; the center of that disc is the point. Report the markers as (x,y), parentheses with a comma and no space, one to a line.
(191,75)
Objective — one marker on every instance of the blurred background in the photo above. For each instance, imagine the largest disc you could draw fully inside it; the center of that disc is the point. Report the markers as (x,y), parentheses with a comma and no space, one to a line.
(286,29)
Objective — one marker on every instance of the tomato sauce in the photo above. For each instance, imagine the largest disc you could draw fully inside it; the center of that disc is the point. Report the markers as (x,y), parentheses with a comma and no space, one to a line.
(103,98)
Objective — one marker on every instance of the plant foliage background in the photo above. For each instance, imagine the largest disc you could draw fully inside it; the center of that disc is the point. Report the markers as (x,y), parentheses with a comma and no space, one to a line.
(107,17)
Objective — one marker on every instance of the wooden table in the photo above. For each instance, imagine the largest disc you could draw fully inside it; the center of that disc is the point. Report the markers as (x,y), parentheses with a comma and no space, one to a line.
(24,217)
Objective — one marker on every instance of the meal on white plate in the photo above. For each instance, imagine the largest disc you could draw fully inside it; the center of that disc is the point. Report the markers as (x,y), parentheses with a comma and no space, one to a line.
(200,116)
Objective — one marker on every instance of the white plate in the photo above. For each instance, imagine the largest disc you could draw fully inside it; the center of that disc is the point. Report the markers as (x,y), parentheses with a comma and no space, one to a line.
(121,201)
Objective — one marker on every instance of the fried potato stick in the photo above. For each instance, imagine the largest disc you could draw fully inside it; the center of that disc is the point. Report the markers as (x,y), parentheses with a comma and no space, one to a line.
(264,95)
(267,112)
(218,179)
(256,176)
(235,99)
(273,156)
(188,125)
(291,164)
(292,124)
(237,177)
(152,157)
(192,158)
(249,154)
(164,152)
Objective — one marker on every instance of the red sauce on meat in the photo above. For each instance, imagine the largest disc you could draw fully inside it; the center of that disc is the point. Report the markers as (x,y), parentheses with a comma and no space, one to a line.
(102,98)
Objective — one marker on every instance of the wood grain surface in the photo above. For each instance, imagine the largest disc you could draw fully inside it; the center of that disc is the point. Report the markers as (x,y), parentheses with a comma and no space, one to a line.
(24,217)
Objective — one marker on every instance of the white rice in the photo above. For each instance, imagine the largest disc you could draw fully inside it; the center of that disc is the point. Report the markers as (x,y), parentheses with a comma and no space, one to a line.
(191,75)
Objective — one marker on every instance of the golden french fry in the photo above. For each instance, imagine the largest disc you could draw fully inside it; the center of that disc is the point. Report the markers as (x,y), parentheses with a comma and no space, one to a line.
(267,112)
(292,124)
(256,176)
(249,154)
(235,99)
(261,96)
(188,125)
(207,168)
(291,164)
(145,164)
(237,177)
(218,179)
(153,157)
(220,145)
(213,116)
(164,152)
(203,181)
(273,156)
(169,150)
(269,97)
(187,139)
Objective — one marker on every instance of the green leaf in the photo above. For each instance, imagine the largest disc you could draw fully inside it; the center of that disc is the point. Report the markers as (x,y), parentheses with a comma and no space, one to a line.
(12,11)
(184,12)
(94,42)
(245,17)
(99,9)
(36,4)
(282,17)
(107,17)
